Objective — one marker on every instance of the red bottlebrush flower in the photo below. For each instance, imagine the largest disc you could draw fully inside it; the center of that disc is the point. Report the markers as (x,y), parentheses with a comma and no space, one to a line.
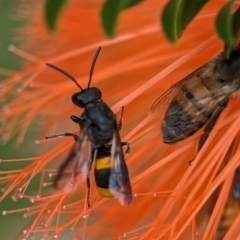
(172,200)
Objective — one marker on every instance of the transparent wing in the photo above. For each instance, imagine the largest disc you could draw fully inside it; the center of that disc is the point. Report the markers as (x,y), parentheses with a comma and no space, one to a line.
(119,183)
(159,107)
(77,162)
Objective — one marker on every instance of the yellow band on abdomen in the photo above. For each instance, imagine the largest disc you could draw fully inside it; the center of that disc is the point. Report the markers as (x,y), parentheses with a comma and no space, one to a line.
(102,163)
(105,192)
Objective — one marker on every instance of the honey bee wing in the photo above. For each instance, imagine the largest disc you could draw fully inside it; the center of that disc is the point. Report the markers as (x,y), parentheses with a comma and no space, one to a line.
(119,183)
(159,107)
(79,158)
(236,185)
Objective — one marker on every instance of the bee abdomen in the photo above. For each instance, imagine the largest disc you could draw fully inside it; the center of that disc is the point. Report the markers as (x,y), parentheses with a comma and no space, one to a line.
(179,126)
(102,175)
(180,123)
(196,104)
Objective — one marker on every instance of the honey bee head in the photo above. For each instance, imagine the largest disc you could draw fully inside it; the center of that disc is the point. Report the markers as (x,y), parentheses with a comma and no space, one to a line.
(228,70)
(81,99)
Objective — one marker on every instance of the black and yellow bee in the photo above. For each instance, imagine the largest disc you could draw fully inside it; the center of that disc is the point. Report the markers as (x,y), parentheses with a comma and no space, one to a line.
(99,139)
(103,169)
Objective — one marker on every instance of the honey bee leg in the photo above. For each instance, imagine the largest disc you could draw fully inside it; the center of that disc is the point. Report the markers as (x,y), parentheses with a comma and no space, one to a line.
(127,152)
(76,137)
(88,179)
(119,124)
(208,128)
(75,119)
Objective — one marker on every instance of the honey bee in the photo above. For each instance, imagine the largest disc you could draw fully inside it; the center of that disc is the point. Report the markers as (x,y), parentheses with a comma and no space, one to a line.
(198,99)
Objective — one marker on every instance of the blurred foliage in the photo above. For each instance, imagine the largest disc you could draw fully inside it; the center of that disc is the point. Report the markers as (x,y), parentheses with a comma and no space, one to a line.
(228,26)
(224,22)
(7,25)
(53,9)
(111,11)
(176,16)
(11,224)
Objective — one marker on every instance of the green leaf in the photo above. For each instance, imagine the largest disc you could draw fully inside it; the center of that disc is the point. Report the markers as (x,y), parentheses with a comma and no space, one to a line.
(177,14)
(190,9)
(53,8)
(132,3)
(236,22)
(110,13)
(224,23)
(236,32)
(170,19)
(228,26)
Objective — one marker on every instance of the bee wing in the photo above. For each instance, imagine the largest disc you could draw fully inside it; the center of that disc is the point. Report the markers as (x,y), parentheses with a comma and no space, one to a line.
(79,158)
(119,183)
(159,107)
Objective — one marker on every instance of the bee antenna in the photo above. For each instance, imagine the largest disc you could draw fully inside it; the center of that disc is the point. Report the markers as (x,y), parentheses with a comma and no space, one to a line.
(93,65)
(64,73)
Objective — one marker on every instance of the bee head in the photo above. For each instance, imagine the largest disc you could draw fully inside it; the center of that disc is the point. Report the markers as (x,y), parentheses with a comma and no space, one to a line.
(85,96)
(229,69)
(81,99)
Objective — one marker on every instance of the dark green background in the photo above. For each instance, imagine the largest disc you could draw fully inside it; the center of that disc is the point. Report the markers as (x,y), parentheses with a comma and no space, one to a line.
(12,224)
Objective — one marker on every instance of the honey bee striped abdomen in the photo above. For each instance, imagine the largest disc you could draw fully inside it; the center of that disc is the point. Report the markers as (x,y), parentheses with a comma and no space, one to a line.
(187,113)
(198,99)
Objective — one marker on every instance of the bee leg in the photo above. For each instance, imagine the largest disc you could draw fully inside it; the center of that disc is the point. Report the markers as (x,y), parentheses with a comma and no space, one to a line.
(76,137)
(119,123)
(127,152)
(75,119)
(208,128)
(88,179)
